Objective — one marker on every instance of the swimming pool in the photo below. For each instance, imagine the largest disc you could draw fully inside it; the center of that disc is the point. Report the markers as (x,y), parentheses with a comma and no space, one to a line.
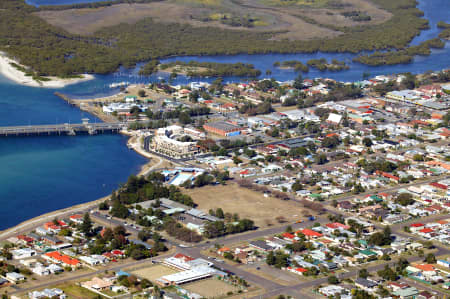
(181,178)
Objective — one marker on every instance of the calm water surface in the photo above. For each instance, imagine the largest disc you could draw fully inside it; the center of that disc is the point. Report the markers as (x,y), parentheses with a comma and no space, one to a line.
(41,174)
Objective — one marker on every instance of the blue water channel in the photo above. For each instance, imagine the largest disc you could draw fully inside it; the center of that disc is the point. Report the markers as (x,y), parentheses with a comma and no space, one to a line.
(41,174)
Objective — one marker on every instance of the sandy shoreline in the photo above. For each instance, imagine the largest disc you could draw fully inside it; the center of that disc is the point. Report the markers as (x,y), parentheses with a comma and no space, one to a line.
(15,75)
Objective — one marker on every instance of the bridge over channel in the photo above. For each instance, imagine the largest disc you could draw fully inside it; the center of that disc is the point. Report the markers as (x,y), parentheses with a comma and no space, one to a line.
(63,129)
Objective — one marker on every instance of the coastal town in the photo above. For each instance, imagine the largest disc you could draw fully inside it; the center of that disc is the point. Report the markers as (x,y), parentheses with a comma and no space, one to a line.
(260,189)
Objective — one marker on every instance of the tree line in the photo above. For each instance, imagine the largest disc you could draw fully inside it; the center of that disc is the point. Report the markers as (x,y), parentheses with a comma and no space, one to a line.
(49,50)
(214,69)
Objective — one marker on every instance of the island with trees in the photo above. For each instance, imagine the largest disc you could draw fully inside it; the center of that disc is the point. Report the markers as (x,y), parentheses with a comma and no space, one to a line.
(322,65)
(296,65)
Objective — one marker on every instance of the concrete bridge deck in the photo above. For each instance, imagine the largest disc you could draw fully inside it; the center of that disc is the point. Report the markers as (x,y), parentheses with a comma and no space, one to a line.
(62,129)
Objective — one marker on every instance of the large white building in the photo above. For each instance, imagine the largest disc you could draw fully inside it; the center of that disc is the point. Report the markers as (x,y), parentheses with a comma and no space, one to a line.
(167,141)
(191,270)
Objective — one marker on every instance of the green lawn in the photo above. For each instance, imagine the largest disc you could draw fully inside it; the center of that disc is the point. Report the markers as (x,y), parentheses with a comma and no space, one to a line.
(75,291)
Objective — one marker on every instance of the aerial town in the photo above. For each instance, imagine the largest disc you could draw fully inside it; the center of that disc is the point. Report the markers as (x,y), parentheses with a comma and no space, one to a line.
(309,188)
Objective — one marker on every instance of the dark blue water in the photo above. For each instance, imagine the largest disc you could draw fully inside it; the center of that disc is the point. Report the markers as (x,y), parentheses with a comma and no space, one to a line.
(41,174)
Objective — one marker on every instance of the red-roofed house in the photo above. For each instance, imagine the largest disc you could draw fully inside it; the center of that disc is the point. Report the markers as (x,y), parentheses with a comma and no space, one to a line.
(288,236)
(25,239)
(424,267)
(337,225)
(222,250)
(66,260)
(298,271)
(51,226)
(311,234)
(77,218)
(425,232)
(183,257)
(414,227)
(440,186)
(390,176)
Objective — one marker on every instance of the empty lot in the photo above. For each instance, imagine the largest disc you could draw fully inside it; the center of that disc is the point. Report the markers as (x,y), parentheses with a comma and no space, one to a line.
(87,21)
(152,273)
(210,288)
(247,203)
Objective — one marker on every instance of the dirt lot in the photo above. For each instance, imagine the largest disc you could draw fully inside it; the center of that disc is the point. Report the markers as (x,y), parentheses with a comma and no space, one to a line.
(334,17)
(152,273)
(285,19)
(87,21)
(210,288)
(247,203)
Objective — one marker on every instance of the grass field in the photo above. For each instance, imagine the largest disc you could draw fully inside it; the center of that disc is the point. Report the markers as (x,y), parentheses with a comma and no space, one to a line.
(247,203)
(76,292)
(152,273)
(210,288)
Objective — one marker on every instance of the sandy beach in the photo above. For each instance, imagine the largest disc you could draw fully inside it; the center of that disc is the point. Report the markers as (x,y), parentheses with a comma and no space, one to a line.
(13,74)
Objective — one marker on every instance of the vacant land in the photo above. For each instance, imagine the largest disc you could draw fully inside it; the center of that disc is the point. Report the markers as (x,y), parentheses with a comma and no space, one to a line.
(210,288)
(326,16)
(74,291)
(87,21)
(152,273)
(247,203)
(273,274)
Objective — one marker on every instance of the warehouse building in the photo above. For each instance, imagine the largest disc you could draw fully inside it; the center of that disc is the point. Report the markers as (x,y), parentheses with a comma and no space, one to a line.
(223,128)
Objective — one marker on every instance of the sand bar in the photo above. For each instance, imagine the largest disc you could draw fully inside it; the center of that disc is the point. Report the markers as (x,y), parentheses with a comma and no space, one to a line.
(15,75)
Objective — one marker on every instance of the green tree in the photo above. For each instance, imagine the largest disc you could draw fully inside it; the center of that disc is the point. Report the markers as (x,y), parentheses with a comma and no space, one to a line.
(430,259)
(86,225)
(270,258)
(184,118)
(363,273)
(333,279)
(367,142)
(141,93)
(219,213)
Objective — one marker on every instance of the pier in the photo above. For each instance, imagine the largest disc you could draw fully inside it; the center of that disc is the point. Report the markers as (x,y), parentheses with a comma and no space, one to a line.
(63,129)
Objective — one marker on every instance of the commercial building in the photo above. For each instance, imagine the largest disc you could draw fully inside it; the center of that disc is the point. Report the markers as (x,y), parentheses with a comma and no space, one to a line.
(223,128)
(192,270)
(168,141)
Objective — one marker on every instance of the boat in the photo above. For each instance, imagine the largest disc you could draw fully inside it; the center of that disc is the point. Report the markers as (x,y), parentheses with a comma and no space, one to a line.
(119,84)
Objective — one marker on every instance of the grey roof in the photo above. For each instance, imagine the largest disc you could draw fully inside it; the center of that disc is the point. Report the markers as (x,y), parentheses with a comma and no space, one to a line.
(52,239)
(364,282)
(221,125)
(260,244)
(139,242)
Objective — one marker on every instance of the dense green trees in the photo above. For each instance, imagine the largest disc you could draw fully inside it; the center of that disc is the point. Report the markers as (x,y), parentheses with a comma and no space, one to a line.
(220,228)
(252,109)
(401,56)
(298,66)
(149,68)
(92,4)
(323,65)
(214,69)
(86,225)
(387,273)
(277,259)
(381,238)
(404,199)
(52,51)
